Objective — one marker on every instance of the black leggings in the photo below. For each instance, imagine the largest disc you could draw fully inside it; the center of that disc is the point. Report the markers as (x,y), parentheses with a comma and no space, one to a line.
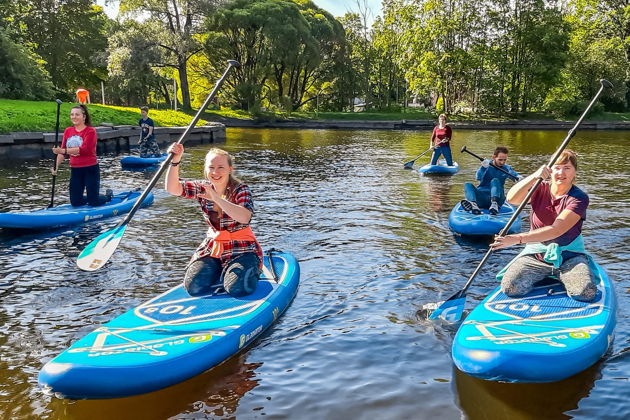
(239,277)
(87,178)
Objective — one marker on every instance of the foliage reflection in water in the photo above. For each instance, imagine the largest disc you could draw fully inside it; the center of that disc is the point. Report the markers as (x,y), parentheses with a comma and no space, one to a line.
(373,243)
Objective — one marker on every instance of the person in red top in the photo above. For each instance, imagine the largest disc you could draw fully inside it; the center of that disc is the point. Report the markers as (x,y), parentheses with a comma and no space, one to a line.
(230,255)
(440,141)
(79,143)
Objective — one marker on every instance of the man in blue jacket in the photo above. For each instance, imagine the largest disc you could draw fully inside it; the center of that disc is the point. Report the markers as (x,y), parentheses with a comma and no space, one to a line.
(489,193)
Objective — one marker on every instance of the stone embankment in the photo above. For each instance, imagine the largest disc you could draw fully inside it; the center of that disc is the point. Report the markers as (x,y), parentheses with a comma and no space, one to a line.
(118,139)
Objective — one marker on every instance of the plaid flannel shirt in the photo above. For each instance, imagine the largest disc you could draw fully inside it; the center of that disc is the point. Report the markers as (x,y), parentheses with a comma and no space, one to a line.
(219,220)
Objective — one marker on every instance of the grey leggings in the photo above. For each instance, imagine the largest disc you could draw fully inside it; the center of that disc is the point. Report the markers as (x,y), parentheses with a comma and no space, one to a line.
(526,270)
(239,277)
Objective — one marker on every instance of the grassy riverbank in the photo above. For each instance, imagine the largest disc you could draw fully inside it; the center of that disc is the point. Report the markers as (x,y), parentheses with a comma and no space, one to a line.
(40,116)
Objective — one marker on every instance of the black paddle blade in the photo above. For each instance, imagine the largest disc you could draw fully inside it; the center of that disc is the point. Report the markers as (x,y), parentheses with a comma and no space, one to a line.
(409,165)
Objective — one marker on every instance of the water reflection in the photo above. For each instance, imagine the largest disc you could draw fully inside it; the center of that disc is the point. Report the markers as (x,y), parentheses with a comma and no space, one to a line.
(480,399)
(213,394)
(373,243)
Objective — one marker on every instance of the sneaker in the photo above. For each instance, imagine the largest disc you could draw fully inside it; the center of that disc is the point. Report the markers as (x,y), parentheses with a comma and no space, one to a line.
(470,206)
(109,194)
(494,208)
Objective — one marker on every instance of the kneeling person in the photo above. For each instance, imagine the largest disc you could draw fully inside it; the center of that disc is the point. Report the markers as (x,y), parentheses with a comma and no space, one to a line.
(554,244)
(230,256)
(148,145)
(489,193)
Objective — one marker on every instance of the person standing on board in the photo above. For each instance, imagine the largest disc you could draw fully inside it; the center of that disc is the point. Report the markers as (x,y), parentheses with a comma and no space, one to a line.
(148,145)
(230,255)
(554,244)
(489,194)
(83,96)
(440,141)
(79,143)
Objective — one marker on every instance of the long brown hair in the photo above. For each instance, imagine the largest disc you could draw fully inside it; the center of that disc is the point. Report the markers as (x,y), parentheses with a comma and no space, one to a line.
(86,113)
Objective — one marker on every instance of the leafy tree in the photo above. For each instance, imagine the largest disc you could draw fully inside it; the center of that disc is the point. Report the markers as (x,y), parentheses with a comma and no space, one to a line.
(287,50)
(70,37)
(132,55)
(22,75)
(179,23)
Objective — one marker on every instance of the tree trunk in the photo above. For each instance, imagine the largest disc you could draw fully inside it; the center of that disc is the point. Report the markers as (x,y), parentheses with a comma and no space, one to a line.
(183,83)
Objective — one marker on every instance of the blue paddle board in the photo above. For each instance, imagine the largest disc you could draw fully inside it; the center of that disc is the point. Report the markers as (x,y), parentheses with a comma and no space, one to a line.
(140,162)
(440,169)
(465,223)
(544,336)
(170,338)
(66,215)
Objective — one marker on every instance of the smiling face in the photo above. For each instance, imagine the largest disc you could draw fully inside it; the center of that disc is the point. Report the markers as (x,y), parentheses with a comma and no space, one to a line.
(218,169)
(563,174)
(77,117)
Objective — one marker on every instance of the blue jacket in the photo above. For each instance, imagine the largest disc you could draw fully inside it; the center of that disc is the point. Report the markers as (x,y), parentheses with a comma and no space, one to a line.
(485,175)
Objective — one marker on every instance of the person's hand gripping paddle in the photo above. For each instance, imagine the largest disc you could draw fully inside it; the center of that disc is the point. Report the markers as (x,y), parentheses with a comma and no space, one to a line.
(451,309)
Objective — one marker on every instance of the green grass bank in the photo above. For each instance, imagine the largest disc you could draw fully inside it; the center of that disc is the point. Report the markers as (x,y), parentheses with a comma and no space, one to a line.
(40,116)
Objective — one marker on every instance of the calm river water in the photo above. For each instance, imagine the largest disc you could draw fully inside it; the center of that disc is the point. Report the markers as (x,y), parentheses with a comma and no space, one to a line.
(373,244)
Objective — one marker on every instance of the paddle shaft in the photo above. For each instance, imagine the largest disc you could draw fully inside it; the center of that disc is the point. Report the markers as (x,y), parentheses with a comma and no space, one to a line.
(563,145)
(410,163)
(182,138)
(54,177)
(464,149)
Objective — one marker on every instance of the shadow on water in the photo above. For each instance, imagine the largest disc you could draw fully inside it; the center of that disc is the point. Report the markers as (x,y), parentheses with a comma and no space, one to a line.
(481,399)
(213,394)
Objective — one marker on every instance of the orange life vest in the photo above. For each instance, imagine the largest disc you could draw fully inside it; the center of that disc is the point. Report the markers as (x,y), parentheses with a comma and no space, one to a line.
(223,236)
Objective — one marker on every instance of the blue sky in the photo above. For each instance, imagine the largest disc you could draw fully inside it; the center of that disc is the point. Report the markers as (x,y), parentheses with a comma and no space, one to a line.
(340,7)
(336,7)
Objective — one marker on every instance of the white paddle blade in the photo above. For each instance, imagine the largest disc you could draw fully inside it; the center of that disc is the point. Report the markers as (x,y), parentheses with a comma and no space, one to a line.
(99,251)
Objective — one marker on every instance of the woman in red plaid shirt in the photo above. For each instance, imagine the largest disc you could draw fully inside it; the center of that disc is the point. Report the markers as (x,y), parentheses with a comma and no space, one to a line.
(230,256)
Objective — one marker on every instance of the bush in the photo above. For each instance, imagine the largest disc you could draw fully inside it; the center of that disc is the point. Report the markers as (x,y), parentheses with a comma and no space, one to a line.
(439,105)
(21,75)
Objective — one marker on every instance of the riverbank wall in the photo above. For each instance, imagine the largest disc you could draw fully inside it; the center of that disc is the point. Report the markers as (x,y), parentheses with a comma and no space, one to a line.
(424,124)
(116,139)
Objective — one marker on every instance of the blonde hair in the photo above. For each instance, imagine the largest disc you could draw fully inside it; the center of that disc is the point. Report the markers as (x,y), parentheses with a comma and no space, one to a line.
(443,115)
(215,151)
(566,156)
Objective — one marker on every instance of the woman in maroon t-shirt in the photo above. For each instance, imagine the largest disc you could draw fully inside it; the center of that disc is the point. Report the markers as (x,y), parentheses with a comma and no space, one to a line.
(558,211)
(440,141)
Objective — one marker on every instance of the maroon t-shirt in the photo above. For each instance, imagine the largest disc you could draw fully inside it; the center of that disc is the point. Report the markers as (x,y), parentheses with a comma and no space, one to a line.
(545,210)
(441,133)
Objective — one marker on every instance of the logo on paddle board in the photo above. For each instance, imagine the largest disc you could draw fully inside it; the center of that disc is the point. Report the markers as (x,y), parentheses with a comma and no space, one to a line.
(200,338)
(243,339)
(275,313)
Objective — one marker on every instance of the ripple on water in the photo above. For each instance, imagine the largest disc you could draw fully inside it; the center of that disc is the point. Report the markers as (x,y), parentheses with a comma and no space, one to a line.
(373,244)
